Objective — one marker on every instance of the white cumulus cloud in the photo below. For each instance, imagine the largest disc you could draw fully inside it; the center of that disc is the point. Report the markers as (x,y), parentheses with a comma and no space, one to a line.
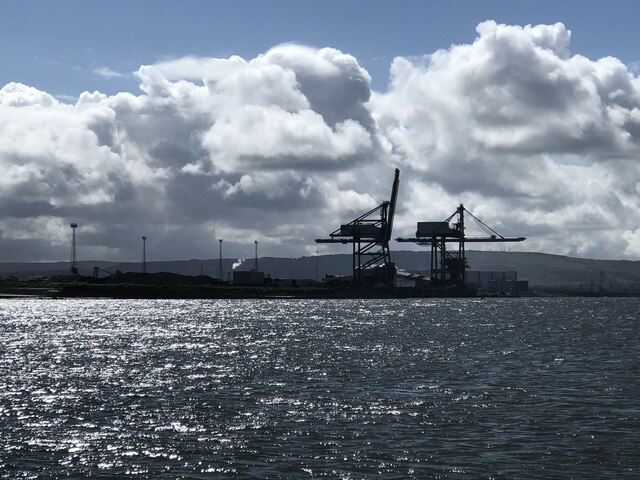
(534,139)
(514,121)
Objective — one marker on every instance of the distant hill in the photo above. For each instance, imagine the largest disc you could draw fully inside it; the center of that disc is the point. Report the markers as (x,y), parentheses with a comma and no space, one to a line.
(538,268)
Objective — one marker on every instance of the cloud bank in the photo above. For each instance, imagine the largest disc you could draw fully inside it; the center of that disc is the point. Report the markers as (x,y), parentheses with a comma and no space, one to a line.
(281,148)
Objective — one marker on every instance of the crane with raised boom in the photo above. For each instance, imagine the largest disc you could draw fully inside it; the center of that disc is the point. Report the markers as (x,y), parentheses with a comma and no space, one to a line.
(370,234)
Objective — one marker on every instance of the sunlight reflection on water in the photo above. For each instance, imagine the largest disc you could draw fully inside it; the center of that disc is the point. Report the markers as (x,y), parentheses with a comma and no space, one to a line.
(451,388)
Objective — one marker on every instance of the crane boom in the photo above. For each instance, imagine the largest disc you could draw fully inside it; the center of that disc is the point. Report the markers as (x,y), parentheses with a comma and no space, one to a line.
(392,204)
(491,239)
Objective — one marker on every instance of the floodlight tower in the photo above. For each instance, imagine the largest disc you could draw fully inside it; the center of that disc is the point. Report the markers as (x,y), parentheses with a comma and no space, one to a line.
(144,254)
(74,259)
(255,264)
(220,271)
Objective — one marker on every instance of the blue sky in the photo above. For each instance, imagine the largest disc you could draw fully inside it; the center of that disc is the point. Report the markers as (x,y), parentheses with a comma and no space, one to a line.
(57,46)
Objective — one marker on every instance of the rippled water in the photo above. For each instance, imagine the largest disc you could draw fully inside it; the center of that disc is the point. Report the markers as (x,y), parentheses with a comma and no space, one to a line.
(450,388)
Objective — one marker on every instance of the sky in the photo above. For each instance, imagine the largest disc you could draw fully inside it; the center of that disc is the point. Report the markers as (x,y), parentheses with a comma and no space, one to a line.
(278,121)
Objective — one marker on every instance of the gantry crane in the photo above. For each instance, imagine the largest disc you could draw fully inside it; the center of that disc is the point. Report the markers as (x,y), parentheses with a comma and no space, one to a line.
(448,267)
(370,234)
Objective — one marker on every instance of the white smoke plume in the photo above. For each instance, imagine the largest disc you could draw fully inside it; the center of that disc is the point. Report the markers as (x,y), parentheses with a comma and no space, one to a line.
(237,263)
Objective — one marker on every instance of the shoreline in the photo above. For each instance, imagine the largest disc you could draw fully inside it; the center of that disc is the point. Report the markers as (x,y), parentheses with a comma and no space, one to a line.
(56,290)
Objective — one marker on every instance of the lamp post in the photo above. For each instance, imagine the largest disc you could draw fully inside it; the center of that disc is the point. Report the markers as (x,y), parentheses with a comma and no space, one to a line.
(74,257)
(220,271)
(255,265)
(144,254)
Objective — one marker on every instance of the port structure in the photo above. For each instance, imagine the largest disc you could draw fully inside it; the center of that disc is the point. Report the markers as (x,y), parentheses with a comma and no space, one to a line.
(370,234)
(448,266)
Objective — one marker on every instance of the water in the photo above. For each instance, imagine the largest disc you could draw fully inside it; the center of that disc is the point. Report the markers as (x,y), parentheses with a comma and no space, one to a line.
(445,388)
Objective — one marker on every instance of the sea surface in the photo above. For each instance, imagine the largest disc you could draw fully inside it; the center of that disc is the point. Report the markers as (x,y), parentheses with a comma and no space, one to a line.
(513,388)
